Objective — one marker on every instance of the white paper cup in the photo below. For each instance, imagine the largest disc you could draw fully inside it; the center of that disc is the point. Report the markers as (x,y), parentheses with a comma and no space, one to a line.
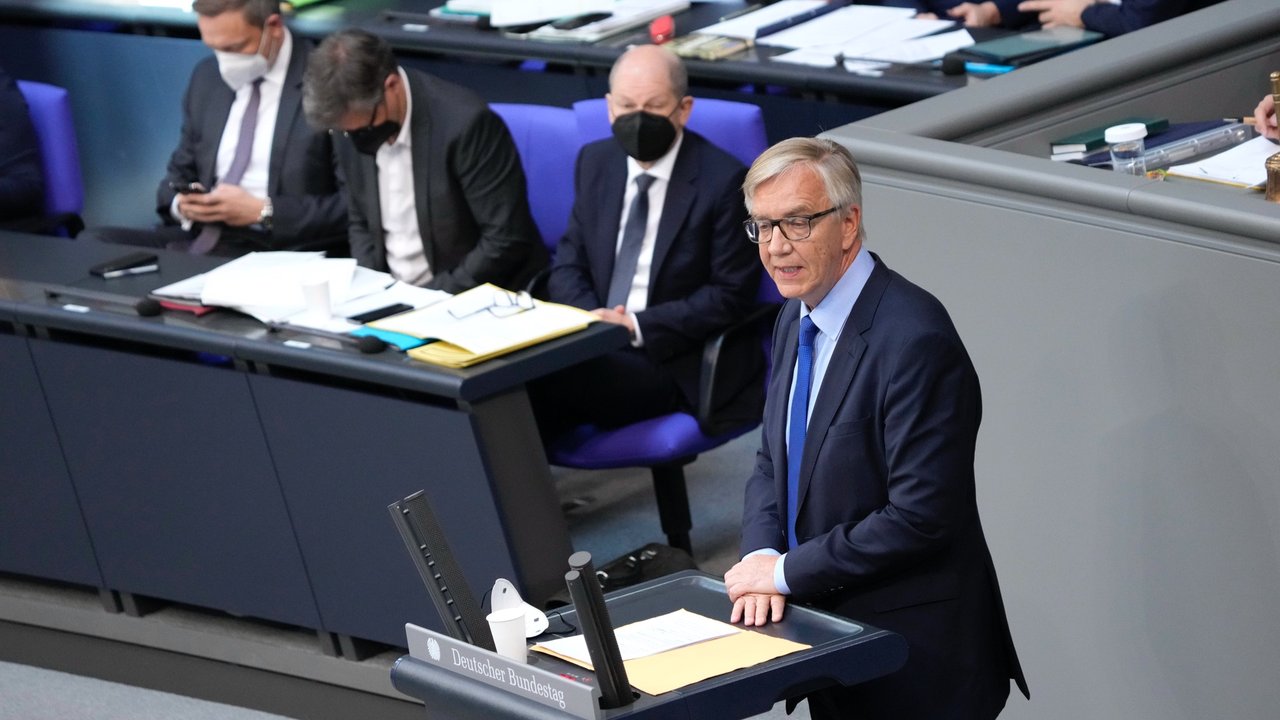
(507,627)
(316,294)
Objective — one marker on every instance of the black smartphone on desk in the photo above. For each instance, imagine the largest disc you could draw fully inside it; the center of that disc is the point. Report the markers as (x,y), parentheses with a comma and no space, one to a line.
(135,263)
(378,313)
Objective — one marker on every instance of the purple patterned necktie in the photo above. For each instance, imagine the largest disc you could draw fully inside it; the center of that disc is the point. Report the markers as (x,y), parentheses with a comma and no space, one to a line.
(208,237)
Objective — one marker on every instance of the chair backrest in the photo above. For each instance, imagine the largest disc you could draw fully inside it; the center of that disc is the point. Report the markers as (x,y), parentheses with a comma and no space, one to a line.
(547,140)
(735,127)
(50,110)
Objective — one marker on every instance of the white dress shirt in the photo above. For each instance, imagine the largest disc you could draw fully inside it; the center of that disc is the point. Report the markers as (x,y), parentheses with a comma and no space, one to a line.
(661,169)
(257,173)
(406,252)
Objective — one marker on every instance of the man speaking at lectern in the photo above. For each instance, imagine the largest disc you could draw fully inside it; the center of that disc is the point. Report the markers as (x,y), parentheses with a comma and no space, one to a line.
(862,500)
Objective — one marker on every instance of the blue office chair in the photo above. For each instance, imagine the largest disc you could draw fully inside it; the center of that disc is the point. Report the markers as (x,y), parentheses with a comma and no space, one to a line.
(547,140)
(50,110)
(735,364)
(735,127)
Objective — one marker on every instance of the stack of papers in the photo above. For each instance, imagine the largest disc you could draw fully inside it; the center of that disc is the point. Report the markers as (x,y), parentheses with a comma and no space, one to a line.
(747,26)
(866,38)
(680,648)
(1242,166)
(268,286)
(483,323)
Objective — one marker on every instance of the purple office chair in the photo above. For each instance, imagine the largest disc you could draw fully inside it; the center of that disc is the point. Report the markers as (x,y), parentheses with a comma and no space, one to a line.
(735,365)
(735,127)
(547,140)
(50,110)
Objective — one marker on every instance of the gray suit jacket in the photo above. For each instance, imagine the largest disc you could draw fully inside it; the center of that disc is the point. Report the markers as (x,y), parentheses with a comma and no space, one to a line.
(303,179)
(473,211)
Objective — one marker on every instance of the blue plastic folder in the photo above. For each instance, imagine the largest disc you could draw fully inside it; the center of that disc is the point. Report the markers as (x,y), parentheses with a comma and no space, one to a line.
(397,340)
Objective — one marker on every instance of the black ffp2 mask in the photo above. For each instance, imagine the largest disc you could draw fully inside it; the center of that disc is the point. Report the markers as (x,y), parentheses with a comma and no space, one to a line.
(643,135)
(368,139)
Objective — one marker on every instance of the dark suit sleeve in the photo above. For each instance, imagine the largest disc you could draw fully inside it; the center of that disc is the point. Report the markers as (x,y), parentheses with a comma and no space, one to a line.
(487,168)
(182,167)
(570,279)
(673,327)
(298,217)
(1112,20)
(21,178)
(931,411)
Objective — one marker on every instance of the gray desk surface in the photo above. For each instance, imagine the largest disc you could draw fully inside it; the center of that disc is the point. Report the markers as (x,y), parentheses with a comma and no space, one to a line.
(31,264)
(898,86)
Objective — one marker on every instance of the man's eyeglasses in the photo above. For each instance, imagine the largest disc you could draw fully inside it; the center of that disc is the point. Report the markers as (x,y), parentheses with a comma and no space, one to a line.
(502,304)
(796,227)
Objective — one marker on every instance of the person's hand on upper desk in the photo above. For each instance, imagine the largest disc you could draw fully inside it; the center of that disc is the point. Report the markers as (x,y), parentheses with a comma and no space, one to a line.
(1265,118)
(1057,13)
(981,14)
(228,204)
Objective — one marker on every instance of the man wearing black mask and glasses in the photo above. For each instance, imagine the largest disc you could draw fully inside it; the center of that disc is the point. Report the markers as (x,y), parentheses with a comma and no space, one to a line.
(248,174)
(654,244)
(436,194)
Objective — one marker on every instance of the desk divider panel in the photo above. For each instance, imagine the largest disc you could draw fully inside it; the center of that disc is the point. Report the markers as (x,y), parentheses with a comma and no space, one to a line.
(175,480)
(342,457)
(42,531)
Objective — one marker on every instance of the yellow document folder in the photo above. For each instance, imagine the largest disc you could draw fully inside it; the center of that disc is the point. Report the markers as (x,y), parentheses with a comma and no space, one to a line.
(732,649)
(482,323)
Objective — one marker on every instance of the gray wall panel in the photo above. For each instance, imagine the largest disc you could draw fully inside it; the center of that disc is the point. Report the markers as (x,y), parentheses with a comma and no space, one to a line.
(1128,459)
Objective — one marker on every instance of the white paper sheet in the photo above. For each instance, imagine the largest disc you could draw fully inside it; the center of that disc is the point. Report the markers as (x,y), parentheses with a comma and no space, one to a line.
(745,26)
(652,636)
(889,35)
(923,49)
(505,13)
(837,27)
(1244,164)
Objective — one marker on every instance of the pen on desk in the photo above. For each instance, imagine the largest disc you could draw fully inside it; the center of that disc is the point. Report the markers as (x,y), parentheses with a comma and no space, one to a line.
(139,270)
(739,13)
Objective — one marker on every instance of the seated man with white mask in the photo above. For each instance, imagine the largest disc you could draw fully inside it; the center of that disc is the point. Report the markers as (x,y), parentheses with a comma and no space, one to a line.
(248,173)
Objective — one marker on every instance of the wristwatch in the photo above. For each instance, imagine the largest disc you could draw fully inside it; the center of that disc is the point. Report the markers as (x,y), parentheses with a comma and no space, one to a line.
(265,217)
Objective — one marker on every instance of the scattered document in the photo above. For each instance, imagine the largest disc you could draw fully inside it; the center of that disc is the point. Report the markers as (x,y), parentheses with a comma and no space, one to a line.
(891,35)
(649,637)
(623,15)
(746,26)
(268,285)
(1243,165)
(838,26)
(671,651)
(922,49)
(506,13)
(483,323)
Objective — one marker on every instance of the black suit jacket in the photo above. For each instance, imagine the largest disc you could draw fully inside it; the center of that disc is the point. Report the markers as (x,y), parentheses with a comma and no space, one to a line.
(303,181)
(888,522)
(473,211)
(704,273)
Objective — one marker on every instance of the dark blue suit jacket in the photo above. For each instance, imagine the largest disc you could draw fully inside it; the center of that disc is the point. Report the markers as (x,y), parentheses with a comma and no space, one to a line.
(888,523)
(704,273)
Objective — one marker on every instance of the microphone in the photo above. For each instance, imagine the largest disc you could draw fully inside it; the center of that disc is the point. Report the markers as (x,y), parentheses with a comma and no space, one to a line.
(597,630)
(366,344)
(146,307)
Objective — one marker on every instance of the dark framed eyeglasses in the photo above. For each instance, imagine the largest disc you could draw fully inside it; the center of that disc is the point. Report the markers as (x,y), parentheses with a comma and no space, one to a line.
(369,126)
(502,304)
(793,228)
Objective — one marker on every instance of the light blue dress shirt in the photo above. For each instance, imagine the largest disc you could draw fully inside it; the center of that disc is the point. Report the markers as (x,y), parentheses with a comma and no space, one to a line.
(829,315)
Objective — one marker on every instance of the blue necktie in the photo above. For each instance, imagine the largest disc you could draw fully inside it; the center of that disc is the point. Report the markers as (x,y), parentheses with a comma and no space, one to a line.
(624,267)
(799,422)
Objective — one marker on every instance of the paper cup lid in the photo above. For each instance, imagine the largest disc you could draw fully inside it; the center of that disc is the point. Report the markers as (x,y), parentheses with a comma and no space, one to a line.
(1121,133)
